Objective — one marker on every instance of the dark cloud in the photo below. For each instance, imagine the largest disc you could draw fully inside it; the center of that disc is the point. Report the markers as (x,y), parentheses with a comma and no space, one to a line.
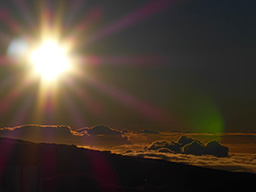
(172,146)
(41,133)
(146,131)
(99,136)
(99,130)
(185,140)
(195,148)
(128,151)
(164,150)
(213,154)
(211,148)
(216,149)
(190,146)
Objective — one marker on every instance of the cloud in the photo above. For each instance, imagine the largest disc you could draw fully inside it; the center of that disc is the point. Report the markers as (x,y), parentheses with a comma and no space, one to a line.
(165,145)
(216,149)
(146,131)
(211,148)
(185,140)
(195,148)
(159,145)
(164,150)
(99,130)
(40,133)
(190,146)
(99,136)
(236,162)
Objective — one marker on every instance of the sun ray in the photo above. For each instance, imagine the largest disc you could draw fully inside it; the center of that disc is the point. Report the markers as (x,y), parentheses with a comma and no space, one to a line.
(123,60)
(75,8)
(75,116)
(87,101)
(5,151)
(13,95)
(5,83)
(25,12)
(89,19)
(46,102)
(57,18)
(8,20)
(49,160)
(143,108)
(50,24)
(46,22)
(23,110)
(11,23)
(6,61)
(128,20)
(5,38)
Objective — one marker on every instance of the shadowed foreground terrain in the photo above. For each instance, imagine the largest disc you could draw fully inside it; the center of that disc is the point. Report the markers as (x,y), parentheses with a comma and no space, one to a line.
(27,166)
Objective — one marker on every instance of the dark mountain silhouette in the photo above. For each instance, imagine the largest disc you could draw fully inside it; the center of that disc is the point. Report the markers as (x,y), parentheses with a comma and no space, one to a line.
(27,166)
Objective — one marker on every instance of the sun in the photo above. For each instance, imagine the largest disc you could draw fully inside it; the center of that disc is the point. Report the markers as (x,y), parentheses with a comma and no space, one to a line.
(50,60)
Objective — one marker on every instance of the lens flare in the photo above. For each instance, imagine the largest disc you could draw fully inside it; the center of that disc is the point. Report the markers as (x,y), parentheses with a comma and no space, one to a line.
(64,32)
(50,60)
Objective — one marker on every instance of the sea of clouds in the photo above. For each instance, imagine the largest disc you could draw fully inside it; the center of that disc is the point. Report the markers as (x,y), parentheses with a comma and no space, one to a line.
(199,149)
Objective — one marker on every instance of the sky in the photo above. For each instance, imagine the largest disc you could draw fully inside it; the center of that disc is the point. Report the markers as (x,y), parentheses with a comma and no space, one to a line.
(163,65)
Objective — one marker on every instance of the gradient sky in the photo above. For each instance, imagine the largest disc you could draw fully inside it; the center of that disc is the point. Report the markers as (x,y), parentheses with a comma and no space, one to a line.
(165,65)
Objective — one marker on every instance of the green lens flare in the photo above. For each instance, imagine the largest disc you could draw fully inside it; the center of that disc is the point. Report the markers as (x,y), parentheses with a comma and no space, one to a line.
(204,116)
(198,112)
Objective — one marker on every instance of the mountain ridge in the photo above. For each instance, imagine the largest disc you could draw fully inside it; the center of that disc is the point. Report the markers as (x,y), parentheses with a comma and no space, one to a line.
(60,167)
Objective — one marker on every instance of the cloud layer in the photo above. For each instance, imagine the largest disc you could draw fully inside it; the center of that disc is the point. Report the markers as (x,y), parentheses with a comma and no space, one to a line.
(99,130)
(192,151)
(237,162)
(97,136)
(190,146)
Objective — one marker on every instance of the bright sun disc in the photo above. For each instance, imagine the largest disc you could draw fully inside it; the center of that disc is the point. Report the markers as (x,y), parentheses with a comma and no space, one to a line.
(50,60)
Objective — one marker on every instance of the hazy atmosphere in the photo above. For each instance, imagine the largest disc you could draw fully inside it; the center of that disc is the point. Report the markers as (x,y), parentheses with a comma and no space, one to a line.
(159,79)
(164,65)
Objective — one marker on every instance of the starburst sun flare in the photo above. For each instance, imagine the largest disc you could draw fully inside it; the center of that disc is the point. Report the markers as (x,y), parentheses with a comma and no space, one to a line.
(50,60)
(61,44)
